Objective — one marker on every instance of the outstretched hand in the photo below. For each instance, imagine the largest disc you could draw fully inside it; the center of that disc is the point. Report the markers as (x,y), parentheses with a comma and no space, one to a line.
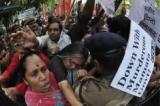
(25,38)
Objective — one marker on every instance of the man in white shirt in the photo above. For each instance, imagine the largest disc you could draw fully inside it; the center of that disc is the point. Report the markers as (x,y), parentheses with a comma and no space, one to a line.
(55,40)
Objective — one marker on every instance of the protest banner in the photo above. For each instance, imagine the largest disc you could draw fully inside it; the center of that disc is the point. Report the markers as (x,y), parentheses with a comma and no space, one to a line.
(145,13)
(27,13)
(136,68)
(61,7)
(67,7)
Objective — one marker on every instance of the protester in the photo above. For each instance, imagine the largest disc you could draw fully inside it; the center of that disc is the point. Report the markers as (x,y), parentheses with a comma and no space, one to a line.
(66,63)
(80,28)
(70,63)
(56,39)
(20,48)
(58,68)
(10,62)
(120,25)
(31,22)
(42,87)
(51,43)
(4,56)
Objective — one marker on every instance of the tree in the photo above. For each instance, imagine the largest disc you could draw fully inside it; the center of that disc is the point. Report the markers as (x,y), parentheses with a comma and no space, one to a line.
(8,8)
(158,3)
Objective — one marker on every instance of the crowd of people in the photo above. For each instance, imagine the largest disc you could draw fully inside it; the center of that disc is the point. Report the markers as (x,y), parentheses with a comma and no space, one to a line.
(41,62)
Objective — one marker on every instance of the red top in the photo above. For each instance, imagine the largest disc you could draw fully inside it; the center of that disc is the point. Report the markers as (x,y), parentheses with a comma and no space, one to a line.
(14,65)
(53,98)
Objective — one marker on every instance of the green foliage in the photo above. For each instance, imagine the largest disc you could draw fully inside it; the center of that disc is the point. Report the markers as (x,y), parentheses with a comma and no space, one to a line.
(120,6)
(158,3)
(50,4)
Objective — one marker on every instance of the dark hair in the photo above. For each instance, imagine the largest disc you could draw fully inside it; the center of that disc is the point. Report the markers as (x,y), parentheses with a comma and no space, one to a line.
(22,67)
(52,20)
(96,19)
(119,24)
(29,20)
(74,48)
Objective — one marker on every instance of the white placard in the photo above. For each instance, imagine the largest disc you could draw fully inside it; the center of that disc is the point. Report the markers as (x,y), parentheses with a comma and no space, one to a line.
(145,13)
(27,13)
(108,6)
(136,68)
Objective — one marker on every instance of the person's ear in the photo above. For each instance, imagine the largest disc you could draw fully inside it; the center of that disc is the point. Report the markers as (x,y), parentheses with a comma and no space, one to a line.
(25,81)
